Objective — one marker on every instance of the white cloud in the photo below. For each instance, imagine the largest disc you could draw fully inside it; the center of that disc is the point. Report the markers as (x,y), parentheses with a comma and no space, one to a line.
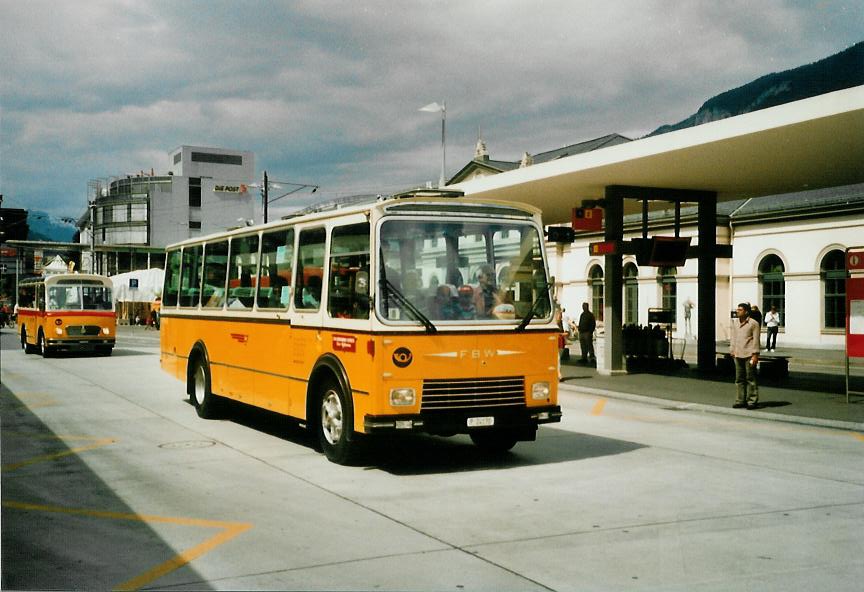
(329,91)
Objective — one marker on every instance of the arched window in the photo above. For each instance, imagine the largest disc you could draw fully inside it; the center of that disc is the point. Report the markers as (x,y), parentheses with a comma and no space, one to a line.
(773,286)
(596,282)
(668,290)
(833,274)
(631,294)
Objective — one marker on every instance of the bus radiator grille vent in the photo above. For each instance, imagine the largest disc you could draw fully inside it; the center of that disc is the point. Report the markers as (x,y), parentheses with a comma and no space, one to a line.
(473,393)
(79,330)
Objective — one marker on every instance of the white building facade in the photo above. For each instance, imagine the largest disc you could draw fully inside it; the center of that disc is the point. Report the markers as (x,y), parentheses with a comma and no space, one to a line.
(788,250)
(204,190)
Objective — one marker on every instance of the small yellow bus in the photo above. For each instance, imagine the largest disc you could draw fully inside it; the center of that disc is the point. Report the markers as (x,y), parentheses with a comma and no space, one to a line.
(416,313)
(66,312)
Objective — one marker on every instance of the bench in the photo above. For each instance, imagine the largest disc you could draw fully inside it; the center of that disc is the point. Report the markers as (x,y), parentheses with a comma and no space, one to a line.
(770,365)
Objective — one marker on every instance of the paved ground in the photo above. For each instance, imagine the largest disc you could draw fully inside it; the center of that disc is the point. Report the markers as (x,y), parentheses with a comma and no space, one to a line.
(814,392)
(110,480)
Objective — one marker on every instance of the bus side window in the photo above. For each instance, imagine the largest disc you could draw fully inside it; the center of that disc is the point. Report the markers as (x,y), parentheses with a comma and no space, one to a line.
(277,262)
(215,272)
(348,296)
(171,289)
(243,271)
(190,287)
(310,269)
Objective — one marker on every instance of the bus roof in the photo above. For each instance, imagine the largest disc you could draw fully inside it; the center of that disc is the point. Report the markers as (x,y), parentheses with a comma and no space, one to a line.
(394,203)
(68,277)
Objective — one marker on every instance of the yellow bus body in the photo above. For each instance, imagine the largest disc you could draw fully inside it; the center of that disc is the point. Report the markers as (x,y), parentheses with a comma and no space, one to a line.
(494,379)
(269,365)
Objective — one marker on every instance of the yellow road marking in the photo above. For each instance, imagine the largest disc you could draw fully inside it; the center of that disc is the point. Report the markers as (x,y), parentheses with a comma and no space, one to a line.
(859,436)
(228,532)
(97,443)
(41,400)
(598,407)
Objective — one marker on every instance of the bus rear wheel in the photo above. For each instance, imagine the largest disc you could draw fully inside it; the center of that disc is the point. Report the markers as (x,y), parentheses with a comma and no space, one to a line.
(205,402)
(28,349)
(494,441)
(334,425)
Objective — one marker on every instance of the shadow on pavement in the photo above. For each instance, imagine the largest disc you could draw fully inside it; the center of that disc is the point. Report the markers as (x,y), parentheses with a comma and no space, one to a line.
(56,534)
(420,454)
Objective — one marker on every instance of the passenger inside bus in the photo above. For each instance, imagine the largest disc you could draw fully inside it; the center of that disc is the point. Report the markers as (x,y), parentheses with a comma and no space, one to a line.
(312,292)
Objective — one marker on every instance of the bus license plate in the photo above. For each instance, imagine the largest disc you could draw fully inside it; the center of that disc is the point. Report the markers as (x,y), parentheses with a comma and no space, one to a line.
(480,422)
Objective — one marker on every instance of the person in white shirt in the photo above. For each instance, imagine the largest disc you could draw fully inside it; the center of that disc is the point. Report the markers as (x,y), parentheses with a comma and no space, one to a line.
(772,322)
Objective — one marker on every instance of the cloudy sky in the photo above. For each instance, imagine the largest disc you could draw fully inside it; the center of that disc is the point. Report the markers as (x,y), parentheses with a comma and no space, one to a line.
(328,92)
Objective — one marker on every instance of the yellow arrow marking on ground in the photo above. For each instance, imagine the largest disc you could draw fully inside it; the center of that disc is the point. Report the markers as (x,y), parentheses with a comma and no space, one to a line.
(598,407)
(97,443)
(228,532)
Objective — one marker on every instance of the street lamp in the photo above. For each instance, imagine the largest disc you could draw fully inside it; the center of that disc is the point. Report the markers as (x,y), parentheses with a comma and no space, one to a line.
(433,108)
(267,184)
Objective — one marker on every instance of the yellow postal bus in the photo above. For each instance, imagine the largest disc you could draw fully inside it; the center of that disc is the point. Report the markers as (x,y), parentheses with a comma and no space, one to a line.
(413,313)
(66,312)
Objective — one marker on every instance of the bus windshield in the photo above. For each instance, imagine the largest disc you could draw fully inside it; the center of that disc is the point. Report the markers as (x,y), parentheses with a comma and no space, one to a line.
(79,296)
(461,272)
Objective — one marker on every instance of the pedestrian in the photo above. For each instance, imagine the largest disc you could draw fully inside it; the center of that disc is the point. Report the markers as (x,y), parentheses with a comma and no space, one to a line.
(744,346)
(587,324)
(772,323)
(756,315)
(688,309)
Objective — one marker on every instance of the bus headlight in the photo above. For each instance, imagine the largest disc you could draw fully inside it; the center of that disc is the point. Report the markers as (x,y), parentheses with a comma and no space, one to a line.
(106,330)
(58,330)
(540,391)
(402,397)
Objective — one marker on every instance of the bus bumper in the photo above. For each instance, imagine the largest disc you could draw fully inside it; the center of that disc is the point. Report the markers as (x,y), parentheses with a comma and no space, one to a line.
(78,344)
(463,421)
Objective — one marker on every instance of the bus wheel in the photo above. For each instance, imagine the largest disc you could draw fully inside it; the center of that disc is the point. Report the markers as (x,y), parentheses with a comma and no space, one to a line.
(28,349)
(43,346)
(333,427)
(494,441)
(206,403)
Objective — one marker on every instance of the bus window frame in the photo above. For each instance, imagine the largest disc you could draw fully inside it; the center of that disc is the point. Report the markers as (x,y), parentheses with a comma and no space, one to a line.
(255,278)
(224,295)
(298,287)
(347,322)
(403,324)
(294,234)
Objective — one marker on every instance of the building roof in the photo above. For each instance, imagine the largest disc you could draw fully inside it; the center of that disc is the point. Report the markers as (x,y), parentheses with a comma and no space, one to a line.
(500,166)
(811,143)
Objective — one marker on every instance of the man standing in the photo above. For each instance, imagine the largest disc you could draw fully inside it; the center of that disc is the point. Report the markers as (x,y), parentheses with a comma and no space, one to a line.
(586,327)
(772,322)
(744,346)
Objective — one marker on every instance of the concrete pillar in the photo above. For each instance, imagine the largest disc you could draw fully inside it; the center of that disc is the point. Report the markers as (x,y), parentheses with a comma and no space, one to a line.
(707,287)
(612,361)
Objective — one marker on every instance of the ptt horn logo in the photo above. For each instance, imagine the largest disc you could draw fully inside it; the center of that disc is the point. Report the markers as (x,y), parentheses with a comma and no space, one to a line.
(403,357)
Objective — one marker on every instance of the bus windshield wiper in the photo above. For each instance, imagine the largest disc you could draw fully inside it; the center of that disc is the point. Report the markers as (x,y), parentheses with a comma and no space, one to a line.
(403,301)
(533,312)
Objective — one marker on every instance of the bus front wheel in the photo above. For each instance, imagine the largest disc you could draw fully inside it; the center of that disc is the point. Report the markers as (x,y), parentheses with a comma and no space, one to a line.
(205,402)
(334,426)
(43,346)
(494,441)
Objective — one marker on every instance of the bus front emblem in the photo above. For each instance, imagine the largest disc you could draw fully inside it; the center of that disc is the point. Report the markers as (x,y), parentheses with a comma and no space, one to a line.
(403,357)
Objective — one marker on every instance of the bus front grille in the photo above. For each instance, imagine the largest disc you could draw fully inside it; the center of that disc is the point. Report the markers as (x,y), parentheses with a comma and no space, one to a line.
(79,330)
(473,393)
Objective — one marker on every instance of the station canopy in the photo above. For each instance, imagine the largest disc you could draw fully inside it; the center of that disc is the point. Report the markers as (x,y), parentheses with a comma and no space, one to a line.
(808,144)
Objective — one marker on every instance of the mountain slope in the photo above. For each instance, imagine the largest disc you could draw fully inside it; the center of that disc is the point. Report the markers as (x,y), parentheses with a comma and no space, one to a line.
(841,70)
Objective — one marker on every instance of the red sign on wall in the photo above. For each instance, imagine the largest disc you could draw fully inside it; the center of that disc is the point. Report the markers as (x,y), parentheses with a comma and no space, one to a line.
(855,260)
(855,317)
